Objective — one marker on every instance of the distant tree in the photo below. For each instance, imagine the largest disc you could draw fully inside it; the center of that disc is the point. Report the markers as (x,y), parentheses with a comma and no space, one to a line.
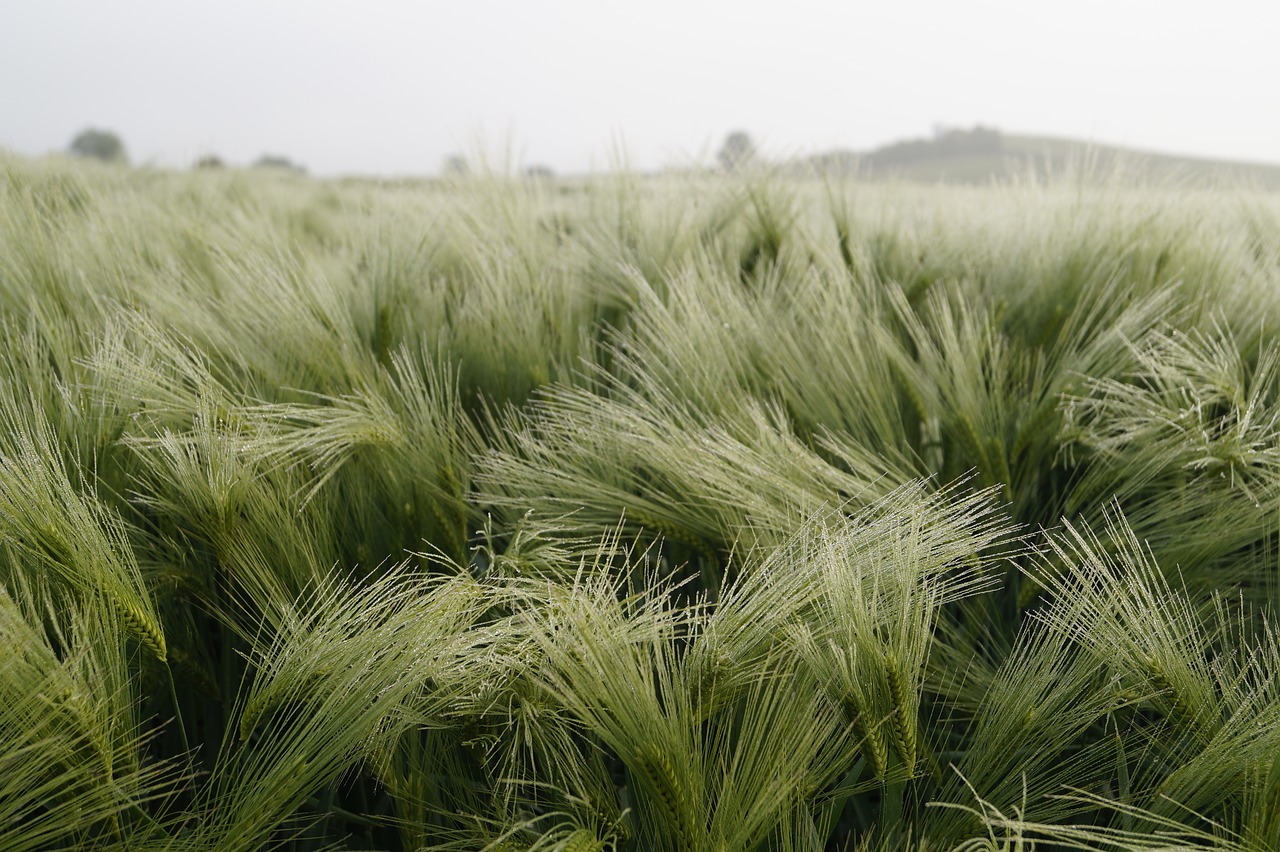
(979,140)
(275,161)
(737,151)
(210,161)
(98,145)
(539,173)
(455,165)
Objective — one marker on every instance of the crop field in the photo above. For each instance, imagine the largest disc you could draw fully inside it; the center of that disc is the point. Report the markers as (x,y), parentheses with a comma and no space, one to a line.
(721,512)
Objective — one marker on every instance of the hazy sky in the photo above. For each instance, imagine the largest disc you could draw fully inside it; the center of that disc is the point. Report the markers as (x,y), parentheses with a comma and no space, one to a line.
(383,87)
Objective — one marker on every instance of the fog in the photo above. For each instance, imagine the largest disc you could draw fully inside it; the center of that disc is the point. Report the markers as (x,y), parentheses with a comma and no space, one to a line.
(393,88)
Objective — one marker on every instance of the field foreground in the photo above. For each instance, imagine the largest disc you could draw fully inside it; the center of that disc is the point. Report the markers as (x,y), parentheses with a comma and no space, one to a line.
(691,514)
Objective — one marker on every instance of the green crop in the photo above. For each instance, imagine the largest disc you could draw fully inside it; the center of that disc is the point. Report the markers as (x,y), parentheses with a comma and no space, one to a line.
(682,513)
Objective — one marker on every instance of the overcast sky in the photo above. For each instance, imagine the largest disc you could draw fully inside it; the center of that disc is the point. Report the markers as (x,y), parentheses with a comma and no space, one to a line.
(392,87)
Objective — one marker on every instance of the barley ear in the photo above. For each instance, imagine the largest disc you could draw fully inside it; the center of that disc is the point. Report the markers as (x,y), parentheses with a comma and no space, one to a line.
(874,749)
(582,840)
(904,722)
(659,776)
(141,625)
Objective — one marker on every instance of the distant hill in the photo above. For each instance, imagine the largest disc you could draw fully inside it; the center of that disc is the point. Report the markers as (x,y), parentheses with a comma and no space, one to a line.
(982,155)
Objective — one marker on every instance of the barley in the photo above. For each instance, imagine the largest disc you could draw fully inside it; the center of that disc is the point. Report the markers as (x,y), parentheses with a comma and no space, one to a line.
(197,671)
(674,533)
(659,776)
(255,708)
(1181,713)
(969,443)
(1028,592)
(582,840)
(874,749)
(146,630)
(995,449)
(904,722)
(913,395)
(1036,428)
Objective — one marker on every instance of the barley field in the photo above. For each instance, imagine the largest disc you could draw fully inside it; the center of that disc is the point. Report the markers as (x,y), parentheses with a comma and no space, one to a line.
(725,513)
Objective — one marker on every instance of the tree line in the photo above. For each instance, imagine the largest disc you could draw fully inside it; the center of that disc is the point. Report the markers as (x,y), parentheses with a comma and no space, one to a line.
(737,151)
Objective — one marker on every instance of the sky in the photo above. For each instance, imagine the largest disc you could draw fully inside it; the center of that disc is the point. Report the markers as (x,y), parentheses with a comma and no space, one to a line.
(392,87)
